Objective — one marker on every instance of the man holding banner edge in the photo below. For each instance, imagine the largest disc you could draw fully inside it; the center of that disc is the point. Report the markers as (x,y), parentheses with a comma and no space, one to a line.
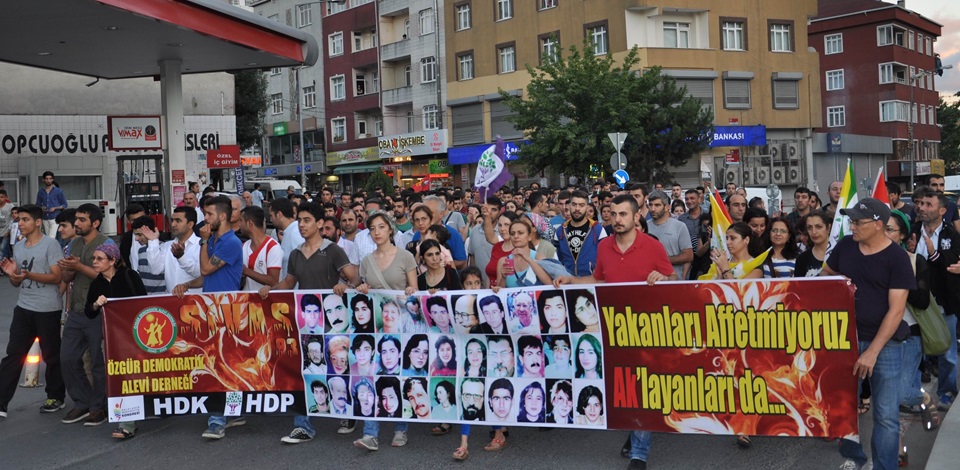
(641,258)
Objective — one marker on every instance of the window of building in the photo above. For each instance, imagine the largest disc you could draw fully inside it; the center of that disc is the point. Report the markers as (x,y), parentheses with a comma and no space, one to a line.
(733,35)
(923,114)
(676,35)
(834,80)
(833,44)
(428,69)
(893,111)
(698,89)
(339,128)
(335,7)
(786,94)
(910,40)
(426,21)
(335,42)
(464,20)
(410,121)
(276,103)
(431,118)
(504,9)
(836,116)
(338,88)
(781,37)
(931,112)
(889,35)
(913,113)
(920,46)
(81,187)
(465,66)
(544,4)
(406,28)
(304,15)
(929,43)
(360,84)
(357,41)
(736,94)
(275,71)
(361,128)
(886,73)
(550,46)
(598,38)
(310,97)
(407,76)
(508,58)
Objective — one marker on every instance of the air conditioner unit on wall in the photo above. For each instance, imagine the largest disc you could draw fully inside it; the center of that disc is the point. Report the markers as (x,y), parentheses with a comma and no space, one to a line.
(794,173)
(747,177)
(762,176)
(730,177)
(774,150)
(780,175)
(792,151)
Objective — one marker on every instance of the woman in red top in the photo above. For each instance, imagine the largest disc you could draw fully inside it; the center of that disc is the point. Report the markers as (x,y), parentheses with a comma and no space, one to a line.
(500,248)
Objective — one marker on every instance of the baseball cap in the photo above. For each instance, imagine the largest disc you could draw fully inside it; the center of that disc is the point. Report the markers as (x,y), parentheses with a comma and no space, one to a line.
(868,208)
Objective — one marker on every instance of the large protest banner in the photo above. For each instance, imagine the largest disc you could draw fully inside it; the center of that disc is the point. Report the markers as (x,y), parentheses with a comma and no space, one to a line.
(755,357)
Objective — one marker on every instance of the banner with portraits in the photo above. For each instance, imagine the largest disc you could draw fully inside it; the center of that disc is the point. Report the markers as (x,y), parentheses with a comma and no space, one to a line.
(679,357)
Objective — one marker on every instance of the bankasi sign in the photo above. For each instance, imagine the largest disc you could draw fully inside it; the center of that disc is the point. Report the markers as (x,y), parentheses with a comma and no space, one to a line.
(134,133)
(738,136)
(227,156)
(742,357)
(419,143)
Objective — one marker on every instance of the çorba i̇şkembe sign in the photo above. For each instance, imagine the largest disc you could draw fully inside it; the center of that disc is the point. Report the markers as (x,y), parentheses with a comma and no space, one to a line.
(766,357)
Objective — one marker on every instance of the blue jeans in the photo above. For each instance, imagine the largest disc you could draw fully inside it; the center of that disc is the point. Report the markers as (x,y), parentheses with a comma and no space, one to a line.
(303,421)
(947,382)
(640,444)
(911,391)
(885,387)
(5,251)
(372,428)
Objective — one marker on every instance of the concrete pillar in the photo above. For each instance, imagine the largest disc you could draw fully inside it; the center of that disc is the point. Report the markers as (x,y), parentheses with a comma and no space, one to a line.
(174,155)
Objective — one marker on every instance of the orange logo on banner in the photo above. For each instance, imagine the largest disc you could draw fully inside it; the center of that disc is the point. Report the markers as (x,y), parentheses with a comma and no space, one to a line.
(155,330)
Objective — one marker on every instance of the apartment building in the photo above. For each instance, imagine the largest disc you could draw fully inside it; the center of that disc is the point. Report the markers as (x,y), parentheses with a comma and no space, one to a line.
(748,62)
(878,71)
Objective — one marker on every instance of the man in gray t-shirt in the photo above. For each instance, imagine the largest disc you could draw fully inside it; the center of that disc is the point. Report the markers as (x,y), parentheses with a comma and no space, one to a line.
(672,233)
(37,313)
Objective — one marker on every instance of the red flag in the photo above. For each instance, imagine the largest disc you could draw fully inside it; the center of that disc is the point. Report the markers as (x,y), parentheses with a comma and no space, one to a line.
(880,189)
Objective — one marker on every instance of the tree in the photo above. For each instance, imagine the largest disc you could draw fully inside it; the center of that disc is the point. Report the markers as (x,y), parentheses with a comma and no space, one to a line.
(948,116)
(574,101)
(379,179)
(250,91)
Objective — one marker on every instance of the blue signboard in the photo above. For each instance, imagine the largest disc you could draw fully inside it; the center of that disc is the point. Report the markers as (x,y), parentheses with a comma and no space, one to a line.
(622,177)
(739,136)
(471,153)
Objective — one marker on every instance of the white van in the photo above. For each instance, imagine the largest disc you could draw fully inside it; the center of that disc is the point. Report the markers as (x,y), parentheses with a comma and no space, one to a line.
(273,189)
(951,183)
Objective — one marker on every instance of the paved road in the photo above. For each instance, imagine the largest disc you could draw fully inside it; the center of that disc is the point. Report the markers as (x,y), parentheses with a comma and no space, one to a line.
(31,440)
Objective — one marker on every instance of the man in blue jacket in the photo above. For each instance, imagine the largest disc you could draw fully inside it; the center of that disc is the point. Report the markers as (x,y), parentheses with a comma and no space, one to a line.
(50,197)
(577,238)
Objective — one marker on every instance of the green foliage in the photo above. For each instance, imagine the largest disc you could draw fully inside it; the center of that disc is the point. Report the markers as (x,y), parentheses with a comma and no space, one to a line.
(948,117)
(379,178)
(574,101)
(250,91)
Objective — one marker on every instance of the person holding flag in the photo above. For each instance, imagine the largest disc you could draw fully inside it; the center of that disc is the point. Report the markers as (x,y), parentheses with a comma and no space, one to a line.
(728,247)
(848,199)
(492,171)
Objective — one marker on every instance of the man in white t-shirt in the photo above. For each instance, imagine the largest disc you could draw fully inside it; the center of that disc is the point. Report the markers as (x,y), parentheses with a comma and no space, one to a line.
(262,255)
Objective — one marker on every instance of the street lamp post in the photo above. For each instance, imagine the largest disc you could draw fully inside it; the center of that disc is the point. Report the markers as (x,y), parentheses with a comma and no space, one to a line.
(910,146)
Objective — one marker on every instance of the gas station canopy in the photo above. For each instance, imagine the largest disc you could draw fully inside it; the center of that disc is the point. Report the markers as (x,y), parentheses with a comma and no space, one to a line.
(129,38)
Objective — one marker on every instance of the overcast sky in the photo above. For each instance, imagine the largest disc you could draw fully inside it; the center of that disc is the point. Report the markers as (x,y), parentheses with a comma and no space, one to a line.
(947,13)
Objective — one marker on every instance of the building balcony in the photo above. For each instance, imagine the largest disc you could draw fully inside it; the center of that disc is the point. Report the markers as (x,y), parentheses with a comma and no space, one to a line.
(398,96)
(397,51)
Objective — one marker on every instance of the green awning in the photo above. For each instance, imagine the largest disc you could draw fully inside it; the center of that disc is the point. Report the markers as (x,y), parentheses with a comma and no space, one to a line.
(348,169)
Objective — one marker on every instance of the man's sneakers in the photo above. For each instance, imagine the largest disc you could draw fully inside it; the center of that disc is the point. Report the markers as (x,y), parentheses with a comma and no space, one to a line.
(52,405)
(347,426)
(637,464)
(945,402)
(296,436)
(851,464)
(367,442)
(75,416)
(217,431)
(96,418)
(399,439)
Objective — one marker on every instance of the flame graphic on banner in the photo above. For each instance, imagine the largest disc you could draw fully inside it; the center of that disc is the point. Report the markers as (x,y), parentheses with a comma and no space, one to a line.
(795,384)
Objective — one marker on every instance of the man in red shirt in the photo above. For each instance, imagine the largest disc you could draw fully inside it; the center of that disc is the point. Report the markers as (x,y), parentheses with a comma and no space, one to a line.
(630,256)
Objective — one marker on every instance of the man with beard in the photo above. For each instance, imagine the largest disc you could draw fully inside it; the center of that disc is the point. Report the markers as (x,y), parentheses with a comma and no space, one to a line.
(81,333)
(178,260)
(51,199)
(262,255)
(471,400)
(317,264)
(523,311)
(339,398)
(691,219)
(404,225)
(335,312)
(502,362)
(531,356)
(737,206)
(331,231)
(577,239)
(672,233)
(315,364)
(630,256)
(493,315)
